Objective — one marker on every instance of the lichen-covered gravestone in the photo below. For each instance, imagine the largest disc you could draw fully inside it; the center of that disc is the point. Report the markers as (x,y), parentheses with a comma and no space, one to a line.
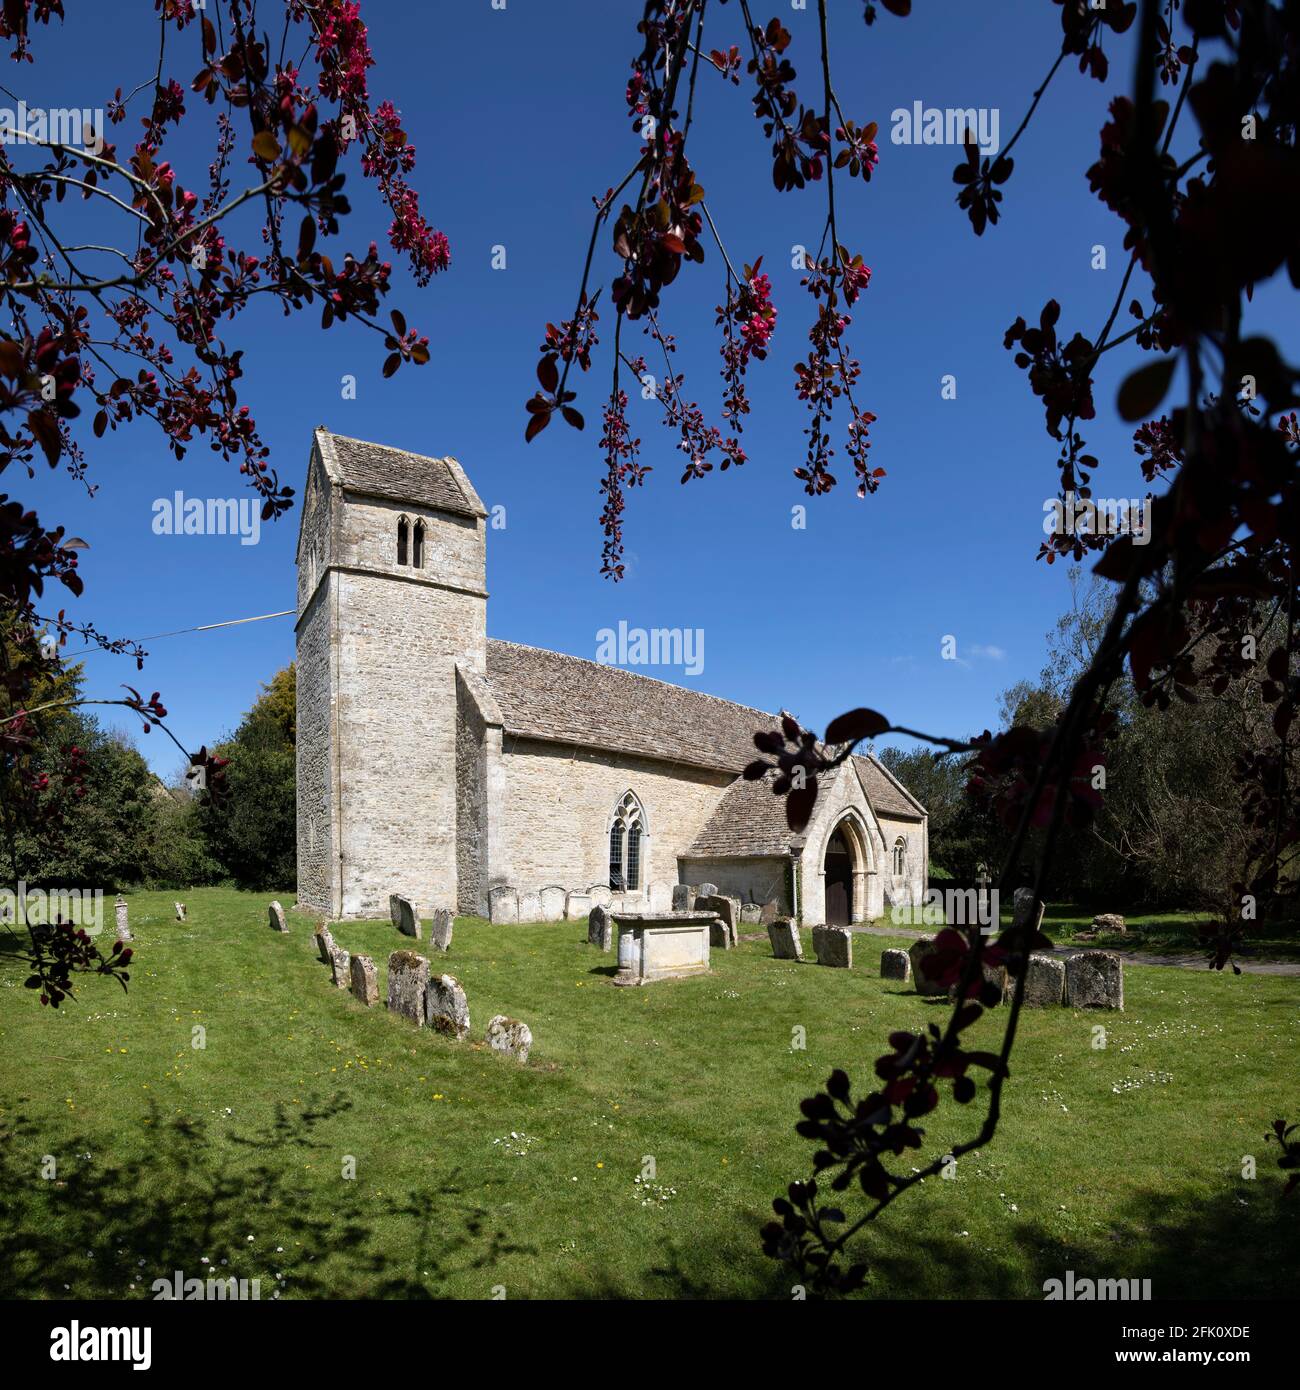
(530,907)
(728,909)
(503,905)
(600,928)
(895,965)
(365,983)
(784,936)
(276,914)
(180,912)
(1110,922)
(1094,980)
(446,1007)
(325,943)
(341,968)
(405,917)
(577,906)
(552,900)
(706,890)
(1044,982)
(994,975)
(918,953)
(440,931)
(751,913)
(122,921)
(683,897)
(408,974)
(834,946)
(510,1036)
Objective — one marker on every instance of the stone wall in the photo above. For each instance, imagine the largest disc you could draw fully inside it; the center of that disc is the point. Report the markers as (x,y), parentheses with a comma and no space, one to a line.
(755,880)
(910,889)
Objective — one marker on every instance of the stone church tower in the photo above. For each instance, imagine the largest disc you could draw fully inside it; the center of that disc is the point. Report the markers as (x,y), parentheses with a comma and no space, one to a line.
(391,598)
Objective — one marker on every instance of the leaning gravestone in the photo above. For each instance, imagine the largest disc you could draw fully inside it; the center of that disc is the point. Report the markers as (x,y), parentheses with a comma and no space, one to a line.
(510,1036)
(600,928)
(122,920)
(706,890)
(404,914)
(895,965)
(341,968)
(503,905)
(834,946)
(784,936)
(180,912)
(365,983)
(446,1007)
(440,931)
(1044,982)
(552,904)
(325,943)
(276,914)
(683,897)
(408,974)
(918,953)
(726,908)
(1094,980)
(530,907)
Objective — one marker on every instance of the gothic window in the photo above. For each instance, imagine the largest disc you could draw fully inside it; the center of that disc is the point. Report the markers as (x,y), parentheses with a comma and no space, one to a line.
(900,857)
(417,545)
(626,834)
(403,532)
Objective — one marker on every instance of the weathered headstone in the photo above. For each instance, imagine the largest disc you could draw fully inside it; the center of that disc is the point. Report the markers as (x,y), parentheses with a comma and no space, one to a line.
(408,974)
(503,905)
(600,894)
(552,904)
(446,1007)
(895,965)
(440,931)
(122,920)
(405,915)
(1109,921)
(994,975)
(530,907)
(918,952)
(659,896)
(365,983)
(683,897)
(1044,982)
(341,968)
(834,946)
(180,912)
(325,943)
(727,908)
(719,934)
(276,914)
(751,913)
(510,1036)
(1026,912)
(706,890)
(1094,980)
(577,906)
(784,936)
(600,928)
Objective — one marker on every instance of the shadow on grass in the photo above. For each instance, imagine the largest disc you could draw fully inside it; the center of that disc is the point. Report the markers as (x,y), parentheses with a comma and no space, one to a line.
(95,1229)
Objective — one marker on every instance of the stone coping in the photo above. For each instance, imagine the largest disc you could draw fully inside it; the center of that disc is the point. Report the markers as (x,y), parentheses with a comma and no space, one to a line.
(665,919)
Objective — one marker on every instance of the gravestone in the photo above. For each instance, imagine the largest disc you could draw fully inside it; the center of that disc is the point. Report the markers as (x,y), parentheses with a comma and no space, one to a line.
(834,946)
(600,894)
(727,908)
(408,974)
(440,931)
(530,907)
(503,905)
(1109,921)
(918,952)
(661,948)
(552,904)
(706,890)
(510,1036)
(895,965)
(1044,983)
(783,933)
(751,913)
(365,983)
(341,968)
(180,912)
(600,928)
(446,1007)
(577,906)
(122,920)
(995,975)
(1026,911)
(683,897)
(276,915)
(404,914)
(659,895)
(1094,980)
(325,943)
(719,936)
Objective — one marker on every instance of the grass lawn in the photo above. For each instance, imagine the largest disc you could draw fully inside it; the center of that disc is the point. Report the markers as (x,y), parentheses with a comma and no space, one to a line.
(473,1174)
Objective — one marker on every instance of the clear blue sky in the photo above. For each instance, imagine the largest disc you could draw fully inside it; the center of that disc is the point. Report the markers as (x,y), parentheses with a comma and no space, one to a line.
(518,117)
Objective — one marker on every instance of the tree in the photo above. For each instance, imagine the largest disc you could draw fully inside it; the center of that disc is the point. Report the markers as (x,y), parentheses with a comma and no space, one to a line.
(124,287)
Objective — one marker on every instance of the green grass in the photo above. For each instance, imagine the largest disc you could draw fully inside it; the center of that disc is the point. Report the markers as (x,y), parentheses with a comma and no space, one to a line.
(167,1153)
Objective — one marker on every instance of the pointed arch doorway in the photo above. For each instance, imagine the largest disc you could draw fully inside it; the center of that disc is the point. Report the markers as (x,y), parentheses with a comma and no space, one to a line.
(839,880)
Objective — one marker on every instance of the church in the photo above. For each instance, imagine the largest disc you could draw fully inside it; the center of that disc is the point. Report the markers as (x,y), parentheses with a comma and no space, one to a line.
(465,772)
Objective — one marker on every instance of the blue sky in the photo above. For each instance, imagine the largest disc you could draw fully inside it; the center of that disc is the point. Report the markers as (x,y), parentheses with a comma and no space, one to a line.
(518,118)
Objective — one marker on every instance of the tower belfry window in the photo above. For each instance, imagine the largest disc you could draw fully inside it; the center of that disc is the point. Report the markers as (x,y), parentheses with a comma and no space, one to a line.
(417,545)
(403,533)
